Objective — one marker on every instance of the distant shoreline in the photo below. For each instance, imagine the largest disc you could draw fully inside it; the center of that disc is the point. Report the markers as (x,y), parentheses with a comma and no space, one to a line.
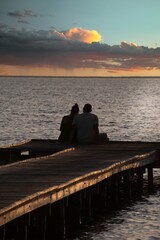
(80,76)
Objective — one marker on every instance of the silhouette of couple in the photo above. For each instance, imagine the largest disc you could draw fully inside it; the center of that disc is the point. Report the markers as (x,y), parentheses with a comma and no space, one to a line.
(81,128)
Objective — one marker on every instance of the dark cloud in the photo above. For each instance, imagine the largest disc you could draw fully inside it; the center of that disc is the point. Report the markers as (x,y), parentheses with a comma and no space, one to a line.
(4,26)
(22,15)
(54,49)
(16,14)
(30,13)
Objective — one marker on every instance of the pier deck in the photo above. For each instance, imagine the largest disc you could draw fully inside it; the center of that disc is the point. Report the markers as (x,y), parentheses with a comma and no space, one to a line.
(32,183)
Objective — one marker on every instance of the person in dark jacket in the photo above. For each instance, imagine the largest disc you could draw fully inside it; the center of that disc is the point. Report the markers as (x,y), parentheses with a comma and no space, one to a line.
(66,125)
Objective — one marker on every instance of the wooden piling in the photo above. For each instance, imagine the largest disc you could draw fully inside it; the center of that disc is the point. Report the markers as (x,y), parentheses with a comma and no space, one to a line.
(115,191)
(127,185)
(140,172)
(86,213)
(73,215)
(103,196)
(37,223)
(150,178)
(55,227)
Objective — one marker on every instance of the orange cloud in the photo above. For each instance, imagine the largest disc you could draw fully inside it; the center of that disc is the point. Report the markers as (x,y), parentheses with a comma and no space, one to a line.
(83,35)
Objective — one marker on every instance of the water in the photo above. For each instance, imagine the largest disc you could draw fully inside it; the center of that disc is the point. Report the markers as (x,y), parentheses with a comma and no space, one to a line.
(138,222)
(128,109)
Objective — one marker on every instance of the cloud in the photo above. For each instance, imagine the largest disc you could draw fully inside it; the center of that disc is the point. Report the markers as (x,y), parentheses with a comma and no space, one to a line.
(56,50)
(4,26)
(16,14)
(22,15)
(128,45)
(80,34)
(30,13)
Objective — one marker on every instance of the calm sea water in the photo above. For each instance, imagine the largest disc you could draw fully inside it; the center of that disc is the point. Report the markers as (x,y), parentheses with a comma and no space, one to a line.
(128,109)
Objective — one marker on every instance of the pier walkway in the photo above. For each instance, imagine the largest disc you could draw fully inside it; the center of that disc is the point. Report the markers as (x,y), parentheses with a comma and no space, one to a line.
(31,183)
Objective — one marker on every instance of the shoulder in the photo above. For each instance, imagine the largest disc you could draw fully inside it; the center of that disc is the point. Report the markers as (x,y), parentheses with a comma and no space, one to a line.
(95,118)
(94,115)
(67,118)
(77,118)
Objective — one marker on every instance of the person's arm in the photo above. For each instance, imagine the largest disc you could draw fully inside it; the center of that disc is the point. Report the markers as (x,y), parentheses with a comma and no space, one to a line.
(96,130)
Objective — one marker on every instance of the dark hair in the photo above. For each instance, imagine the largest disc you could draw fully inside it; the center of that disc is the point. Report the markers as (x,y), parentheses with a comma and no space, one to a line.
(75,109)
(87,108)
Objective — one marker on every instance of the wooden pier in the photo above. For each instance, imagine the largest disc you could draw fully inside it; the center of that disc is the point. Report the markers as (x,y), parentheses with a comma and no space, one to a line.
(52,189)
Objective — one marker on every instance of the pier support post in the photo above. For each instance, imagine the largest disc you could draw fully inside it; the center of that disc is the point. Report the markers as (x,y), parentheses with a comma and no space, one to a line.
(73,215)
(150,178)
(36,228)
(55,227)
(115,195)
(127,185)
(140,172)
(103,196)
(16,229)
(108,195)
(86,206)
(2,232)
(95,201)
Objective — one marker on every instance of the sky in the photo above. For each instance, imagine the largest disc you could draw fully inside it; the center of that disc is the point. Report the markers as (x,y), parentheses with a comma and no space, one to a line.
(80,38)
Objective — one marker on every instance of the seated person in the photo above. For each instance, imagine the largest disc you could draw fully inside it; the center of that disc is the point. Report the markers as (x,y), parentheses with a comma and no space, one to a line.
(85,126)
(66,125)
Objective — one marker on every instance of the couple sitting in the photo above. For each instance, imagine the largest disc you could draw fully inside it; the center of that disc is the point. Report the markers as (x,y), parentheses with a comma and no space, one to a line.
(81,128)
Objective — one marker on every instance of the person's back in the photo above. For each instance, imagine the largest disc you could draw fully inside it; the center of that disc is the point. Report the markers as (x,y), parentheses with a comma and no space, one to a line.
(65,128)
(86,126)
(66,125)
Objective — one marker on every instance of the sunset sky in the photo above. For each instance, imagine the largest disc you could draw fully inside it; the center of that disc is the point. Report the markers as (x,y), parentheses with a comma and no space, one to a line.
(80,38)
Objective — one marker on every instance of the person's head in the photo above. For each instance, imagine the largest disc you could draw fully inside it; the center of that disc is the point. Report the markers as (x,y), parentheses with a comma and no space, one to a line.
(75,109)
(87,108)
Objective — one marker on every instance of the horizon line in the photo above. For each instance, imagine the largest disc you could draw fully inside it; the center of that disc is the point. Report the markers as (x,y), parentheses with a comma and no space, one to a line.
(36,76)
